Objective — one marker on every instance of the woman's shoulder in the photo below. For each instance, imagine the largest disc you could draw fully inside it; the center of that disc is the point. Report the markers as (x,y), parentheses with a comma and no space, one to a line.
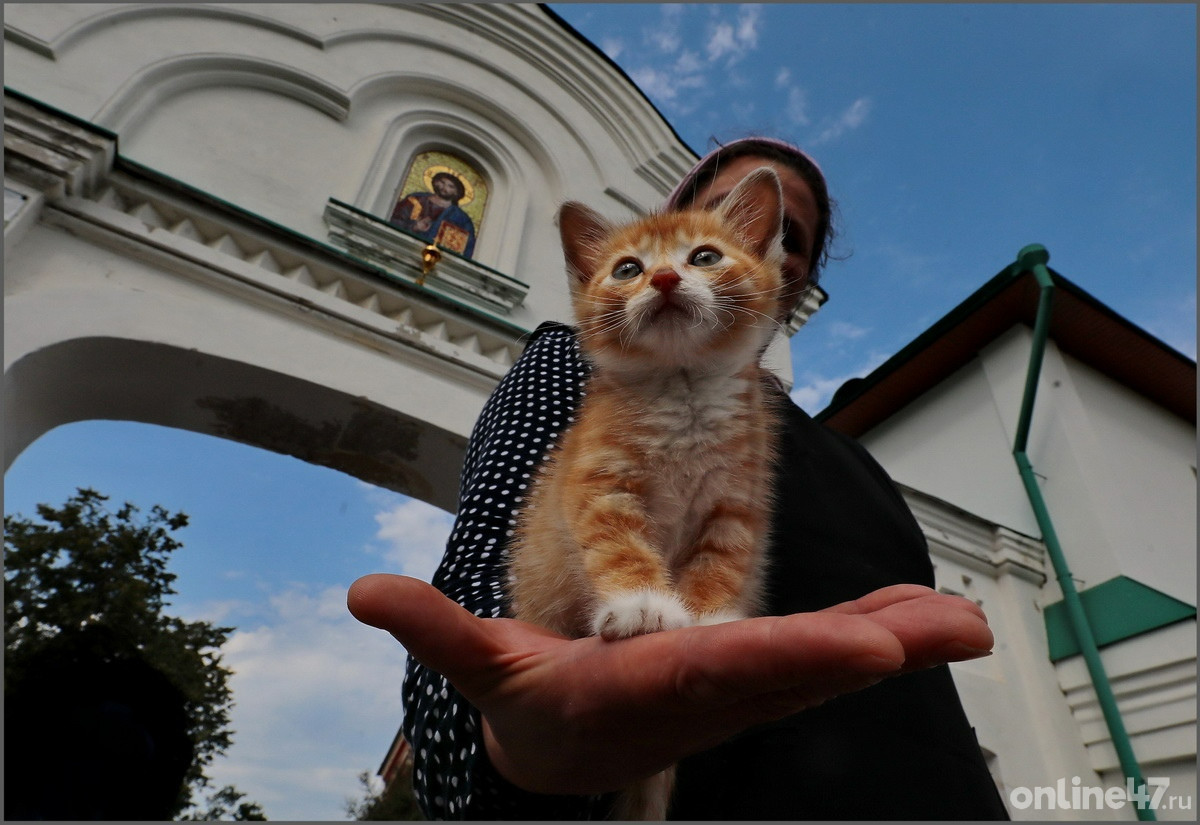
(553,350)
(552,331)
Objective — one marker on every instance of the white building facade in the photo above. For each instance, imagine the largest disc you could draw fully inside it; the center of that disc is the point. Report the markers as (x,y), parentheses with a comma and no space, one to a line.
(1112,440)
(208,226)
(197,204)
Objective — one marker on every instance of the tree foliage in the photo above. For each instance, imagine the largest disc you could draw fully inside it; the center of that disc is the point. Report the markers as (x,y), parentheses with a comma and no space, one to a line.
(394,803)
(83,571)
(227,804)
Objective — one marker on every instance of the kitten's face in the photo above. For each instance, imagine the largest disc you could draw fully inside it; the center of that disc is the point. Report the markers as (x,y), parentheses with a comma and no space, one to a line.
(683,289)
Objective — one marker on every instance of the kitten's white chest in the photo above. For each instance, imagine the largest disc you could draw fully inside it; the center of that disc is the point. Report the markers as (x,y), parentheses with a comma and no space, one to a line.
(687,438)
(685,412)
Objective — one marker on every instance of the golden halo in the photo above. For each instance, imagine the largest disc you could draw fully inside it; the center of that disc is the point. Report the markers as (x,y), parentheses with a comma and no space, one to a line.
(468,189)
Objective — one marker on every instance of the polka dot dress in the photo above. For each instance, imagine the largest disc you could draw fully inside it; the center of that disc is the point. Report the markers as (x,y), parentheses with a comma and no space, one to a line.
(853,534)
(531,406)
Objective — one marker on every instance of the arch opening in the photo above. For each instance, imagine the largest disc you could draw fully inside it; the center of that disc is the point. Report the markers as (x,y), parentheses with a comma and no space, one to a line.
(128,380)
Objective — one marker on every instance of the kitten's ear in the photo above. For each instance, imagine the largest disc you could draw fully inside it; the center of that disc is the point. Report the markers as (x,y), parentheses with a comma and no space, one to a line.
(755,211)
(583,232)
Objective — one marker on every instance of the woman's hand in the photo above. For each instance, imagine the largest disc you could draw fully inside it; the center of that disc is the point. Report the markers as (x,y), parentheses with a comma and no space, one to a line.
(588,716)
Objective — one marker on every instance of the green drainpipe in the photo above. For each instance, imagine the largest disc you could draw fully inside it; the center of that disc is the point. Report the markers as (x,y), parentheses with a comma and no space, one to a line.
(1033,259)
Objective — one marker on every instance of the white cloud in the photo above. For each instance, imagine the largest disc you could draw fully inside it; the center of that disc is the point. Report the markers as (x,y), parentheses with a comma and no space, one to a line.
(664,39)
(317,702)
(689,63)
(747,25)
(851,118)
(665,36)
(782,77)
(845,331)
(813,391)
(317,694)
(721,41)
(734,39)
(612,46)
(814,395)
(797,106)
(414,534)
(658,85)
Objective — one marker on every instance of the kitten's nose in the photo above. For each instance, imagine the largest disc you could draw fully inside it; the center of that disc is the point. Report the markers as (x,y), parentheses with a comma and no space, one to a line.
(664,280)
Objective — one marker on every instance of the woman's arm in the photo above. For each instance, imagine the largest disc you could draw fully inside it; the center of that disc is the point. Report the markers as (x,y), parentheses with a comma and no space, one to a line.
(453,777)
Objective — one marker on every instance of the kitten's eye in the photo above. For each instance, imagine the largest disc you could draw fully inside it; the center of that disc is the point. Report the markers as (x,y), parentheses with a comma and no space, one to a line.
(626,270)
(705,257)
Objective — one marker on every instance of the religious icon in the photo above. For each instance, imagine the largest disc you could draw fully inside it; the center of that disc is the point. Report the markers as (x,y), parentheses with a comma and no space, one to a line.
(442,201)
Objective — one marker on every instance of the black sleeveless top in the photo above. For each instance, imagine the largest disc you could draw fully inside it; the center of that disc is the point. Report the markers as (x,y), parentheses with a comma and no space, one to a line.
(902,749)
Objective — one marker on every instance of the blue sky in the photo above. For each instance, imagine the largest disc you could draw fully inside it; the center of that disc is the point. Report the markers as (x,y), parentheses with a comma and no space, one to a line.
(951,135)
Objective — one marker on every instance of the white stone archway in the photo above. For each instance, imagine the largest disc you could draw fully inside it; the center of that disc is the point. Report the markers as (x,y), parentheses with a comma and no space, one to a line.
(194,233)
(127,380)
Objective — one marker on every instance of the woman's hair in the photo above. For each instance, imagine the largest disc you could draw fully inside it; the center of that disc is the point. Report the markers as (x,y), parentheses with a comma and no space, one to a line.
(704,172)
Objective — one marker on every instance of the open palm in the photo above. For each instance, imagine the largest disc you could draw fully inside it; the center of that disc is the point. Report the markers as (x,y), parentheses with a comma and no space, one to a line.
(588,716)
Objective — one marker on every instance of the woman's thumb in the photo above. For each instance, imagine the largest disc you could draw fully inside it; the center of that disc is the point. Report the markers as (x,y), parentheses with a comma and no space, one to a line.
(437,632)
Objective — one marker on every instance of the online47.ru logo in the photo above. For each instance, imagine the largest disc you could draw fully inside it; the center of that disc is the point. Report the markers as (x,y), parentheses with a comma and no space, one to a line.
(1076,796)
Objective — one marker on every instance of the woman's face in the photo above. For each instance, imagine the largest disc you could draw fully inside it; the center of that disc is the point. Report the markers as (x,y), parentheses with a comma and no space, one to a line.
(799,207)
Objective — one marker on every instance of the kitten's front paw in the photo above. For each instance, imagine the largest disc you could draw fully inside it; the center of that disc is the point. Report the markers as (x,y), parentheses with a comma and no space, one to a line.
(637,612)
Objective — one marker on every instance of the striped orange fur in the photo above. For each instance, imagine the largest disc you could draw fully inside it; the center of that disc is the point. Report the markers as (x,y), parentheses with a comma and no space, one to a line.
(652,513)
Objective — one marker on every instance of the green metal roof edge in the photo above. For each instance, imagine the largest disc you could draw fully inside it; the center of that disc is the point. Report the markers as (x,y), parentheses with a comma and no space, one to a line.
(947,322)
(973,302)
(1118,609)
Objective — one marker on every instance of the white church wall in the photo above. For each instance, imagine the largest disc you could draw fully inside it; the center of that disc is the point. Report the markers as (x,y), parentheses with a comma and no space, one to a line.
(252,119)
(1154,679)
(1139,463)
(950,443)
(1110,463)
(1012,698)
(72,300)
(1116,470)
(277,108)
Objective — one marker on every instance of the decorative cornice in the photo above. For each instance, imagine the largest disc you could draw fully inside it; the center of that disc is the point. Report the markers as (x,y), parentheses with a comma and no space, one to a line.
(120,205)
(813,299)
(53,152)
(399,254)
(187,237)
(976,544)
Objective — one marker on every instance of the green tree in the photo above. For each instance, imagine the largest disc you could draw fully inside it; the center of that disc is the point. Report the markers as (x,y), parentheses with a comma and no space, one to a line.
(226,804)
(394,803)
(85,571)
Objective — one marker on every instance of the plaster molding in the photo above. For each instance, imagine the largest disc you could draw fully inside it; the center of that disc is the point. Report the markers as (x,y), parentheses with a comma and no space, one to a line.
(200,243)
(523,31)
(592,81)
(975,544)
(53,154)
(114,15)
(172,76)
(1154,678)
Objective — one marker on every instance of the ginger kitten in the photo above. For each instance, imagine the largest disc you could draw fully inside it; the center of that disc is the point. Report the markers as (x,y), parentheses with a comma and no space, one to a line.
(653,511)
